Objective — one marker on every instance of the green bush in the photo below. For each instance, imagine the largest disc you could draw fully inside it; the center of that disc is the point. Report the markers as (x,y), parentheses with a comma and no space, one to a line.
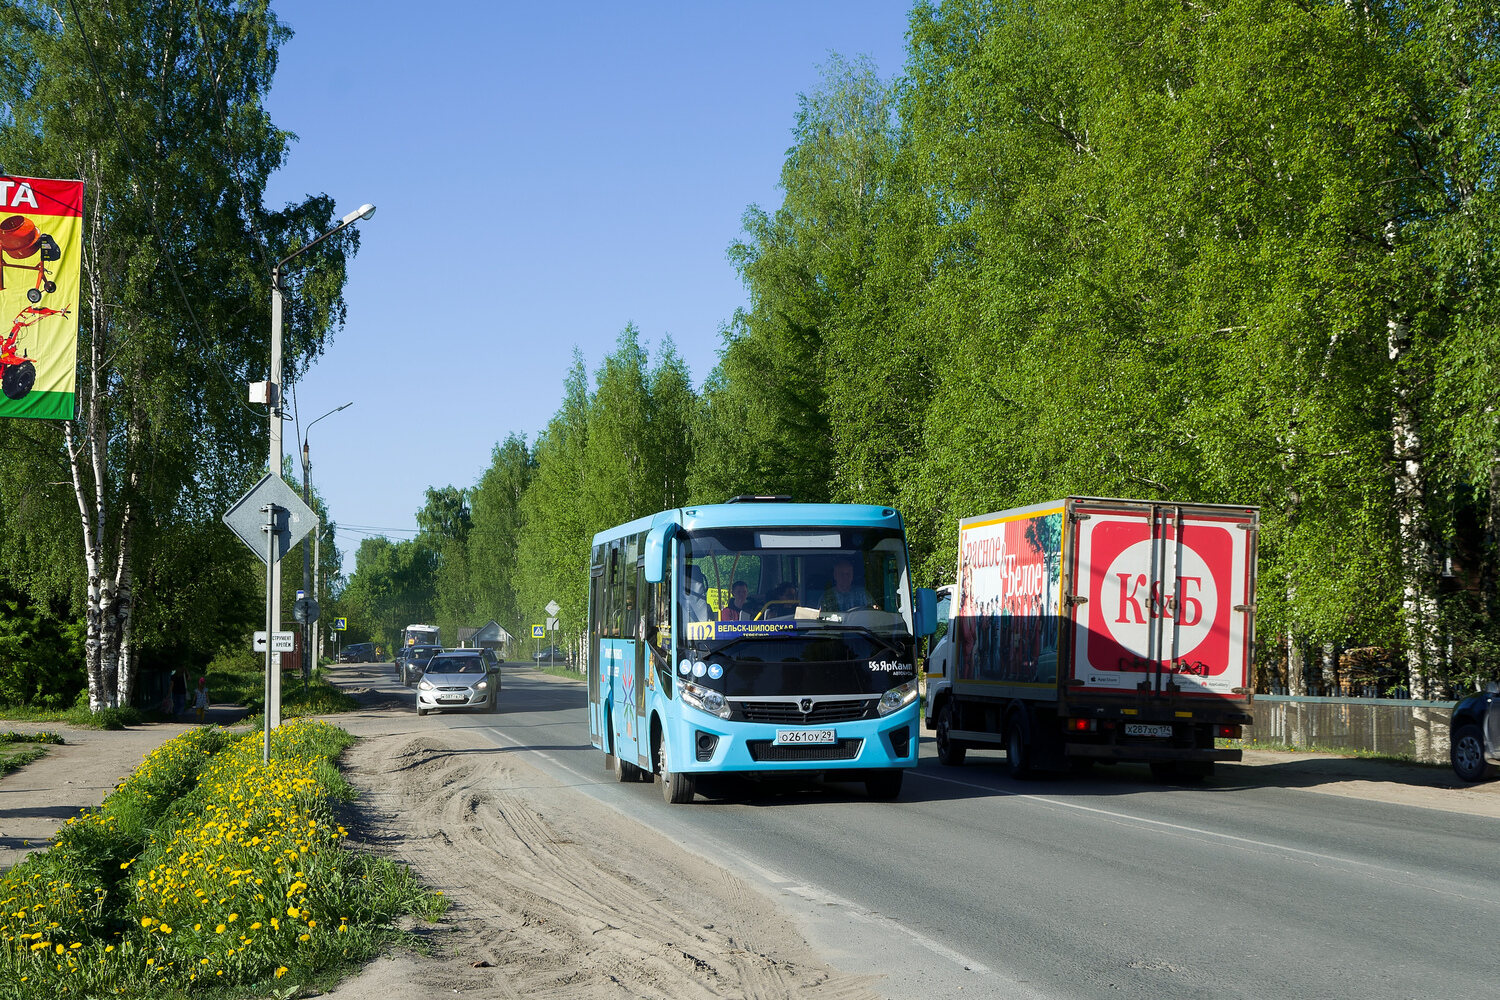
(41,656)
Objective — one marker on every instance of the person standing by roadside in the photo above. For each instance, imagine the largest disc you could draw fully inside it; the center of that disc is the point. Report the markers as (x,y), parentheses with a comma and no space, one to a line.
(200,700)
(179,693)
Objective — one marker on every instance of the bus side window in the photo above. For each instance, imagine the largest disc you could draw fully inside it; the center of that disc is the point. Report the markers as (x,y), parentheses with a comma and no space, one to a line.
(616,611)
(633,576)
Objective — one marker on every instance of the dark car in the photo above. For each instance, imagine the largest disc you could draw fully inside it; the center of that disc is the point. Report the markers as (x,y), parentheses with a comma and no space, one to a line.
(358,652)
(1474,735)
(552,654)
(413,661)
(460,678)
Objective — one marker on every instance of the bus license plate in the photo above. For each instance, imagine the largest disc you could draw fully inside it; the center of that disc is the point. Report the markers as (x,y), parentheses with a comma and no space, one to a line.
(787,736)
(1141,729)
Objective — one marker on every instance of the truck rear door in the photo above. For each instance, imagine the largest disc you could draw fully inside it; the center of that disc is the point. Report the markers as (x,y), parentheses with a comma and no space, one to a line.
(1160,597)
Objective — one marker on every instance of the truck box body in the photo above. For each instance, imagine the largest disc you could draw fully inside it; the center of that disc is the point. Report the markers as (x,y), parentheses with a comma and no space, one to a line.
(1098,628)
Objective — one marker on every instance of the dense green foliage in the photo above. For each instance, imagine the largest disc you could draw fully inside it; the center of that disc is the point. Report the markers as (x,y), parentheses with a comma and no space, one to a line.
(1238,252)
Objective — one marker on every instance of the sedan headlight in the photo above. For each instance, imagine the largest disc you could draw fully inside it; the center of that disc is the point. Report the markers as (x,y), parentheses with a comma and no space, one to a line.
(424,684)
(897,697)
(705,699)
(481,685)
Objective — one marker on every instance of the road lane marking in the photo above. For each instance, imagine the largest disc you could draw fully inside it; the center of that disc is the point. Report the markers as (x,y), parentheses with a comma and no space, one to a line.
(1393,875)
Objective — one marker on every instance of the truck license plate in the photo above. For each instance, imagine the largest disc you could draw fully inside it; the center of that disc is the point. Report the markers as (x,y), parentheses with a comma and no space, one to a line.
(786,736)
(1141,729)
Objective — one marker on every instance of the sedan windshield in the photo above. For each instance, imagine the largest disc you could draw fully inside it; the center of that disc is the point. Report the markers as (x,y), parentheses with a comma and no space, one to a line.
(455,665)
(770,580)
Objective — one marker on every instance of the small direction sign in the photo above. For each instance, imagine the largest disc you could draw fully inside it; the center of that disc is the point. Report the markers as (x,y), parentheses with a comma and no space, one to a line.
(246,518)
(539,631)
(551,624)
(260,641)
(284,642)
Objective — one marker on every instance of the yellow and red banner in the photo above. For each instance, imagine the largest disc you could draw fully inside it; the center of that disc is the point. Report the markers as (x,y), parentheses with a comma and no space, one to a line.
(41,241)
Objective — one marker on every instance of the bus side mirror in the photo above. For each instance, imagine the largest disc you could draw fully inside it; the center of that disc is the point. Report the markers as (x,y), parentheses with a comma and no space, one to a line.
(657,552)
(926,611)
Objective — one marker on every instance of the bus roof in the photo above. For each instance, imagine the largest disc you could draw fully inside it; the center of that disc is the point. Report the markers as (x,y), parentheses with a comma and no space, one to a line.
(759,514)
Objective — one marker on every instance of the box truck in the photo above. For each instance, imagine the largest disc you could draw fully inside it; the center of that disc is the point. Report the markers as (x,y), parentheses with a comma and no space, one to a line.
(1090,629)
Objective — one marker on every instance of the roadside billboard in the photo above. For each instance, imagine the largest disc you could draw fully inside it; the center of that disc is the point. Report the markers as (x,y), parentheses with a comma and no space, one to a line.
(41,241)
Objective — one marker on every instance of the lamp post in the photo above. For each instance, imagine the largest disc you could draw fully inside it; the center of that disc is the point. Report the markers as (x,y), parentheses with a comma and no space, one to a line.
(309,584)
(273,400)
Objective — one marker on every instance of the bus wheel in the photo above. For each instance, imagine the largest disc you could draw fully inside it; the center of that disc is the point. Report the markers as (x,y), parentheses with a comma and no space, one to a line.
(884,785)
(625,771)
(675,788)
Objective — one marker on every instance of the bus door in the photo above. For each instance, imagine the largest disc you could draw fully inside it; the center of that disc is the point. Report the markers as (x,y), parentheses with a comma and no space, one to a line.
(598,680)
(617,652)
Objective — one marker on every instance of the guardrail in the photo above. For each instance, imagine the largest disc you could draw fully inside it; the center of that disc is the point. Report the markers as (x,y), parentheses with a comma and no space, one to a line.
(1415,729)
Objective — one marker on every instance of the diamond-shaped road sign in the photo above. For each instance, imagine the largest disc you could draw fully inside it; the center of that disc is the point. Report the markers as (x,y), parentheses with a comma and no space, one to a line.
(246,518)
(552,608)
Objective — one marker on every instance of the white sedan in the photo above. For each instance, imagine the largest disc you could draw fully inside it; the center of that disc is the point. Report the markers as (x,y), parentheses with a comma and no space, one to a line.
(459,678)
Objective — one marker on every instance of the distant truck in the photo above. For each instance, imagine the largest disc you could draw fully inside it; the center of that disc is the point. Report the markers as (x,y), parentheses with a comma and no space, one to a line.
(1089,629)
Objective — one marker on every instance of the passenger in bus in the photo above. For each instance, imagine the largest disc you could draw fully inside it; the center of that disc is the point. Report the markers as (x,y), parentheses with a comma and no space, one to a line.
(694,604)
(782,603)
(845,594)
(738,607)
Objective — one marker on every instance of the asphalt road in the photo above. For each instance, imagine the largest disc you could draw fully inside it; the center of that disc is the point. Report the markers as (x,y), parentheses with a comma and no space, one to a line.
(973,884)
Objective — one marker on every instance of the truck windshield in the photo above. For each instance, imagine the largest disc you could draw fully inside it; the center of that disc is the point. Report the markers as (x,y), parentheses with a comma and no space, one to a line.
(757,582)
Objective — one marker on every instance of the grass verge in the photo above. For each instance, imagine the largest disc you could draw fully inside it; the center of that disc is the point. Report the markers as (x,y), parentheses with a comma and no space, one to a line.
(205,868)
(19,749)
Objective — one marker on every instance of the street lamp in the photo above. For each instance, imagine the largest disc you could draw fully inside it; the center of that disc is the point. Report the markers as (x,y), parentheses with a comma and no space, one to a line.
(311,630)
(273,400)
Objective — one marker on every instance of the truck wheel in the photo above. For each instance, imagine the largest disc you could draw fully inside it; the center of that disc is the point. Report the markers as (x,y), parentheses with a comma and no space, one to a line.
(1017,749)
(1466,750)
(950,752)
(884,785)
(675,788)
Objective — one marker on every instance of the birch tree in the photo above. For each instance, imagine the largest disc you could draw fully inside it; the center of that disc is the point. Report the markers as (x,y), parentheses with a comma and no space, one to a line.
(157,106)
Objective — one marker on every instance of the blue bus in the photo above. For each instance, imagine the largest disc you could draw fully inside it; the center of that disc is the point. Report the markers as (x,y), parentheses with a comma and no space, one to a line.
(757,635)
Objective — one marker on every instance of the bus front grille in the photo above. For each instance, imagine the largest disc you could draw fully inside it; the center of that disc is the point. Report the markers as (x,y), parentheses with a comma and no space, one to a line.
(822,712)
(765,750)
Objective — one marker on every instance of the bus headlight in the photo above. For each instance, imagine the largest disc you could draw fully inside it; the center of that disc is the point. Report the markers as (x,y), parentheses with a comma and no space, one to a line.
(897,697)
(704,699)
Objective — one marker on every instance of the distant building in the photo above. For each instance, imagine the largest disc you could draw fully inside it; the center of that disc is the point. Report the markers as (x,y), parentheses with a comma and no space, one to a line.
(487,636)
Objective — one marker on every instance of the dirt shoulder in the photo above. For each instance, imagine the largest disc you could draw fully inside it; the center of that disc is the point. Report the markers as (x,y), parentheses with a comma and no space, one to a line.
(554,894)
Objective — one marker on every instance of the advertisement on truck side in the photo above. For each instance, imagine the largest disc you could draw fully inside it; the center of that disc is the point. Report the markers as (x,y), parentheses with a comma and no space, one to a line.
(1009,589)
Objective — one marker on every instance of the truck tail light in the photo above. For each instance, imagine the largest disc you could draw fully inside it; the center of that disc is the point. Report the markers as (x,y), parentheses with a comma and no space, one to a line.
(1228,732)
(1079,725)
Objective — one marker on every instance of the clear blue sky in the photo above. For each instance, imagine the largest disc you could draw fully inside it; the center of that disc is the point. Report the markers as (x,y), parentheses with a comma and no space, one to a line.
(544,174)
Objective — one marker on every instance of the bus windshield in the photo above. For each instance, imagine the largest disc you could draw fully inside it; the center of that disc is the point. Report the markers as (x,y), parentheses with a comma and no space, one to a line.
(791,579)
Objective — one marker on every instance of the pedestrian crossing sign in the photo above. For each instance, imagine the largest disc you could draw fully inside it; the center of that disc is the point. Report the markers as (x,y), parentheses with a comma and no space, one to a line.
(539,631)
(341,624)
